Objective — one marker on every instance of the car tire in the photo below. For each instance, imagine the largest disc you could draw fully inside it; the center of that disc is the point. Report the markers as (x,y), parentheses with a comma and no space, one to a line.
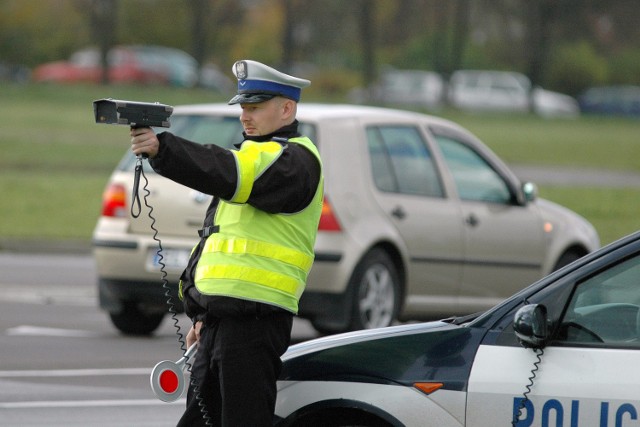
(566,259)
(375,291)
(132,321)
(336,417)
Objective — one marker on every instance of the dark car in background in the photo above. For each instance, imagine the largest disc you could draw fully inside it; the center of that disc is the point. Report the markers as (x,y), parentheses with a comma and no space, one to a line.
(621,100)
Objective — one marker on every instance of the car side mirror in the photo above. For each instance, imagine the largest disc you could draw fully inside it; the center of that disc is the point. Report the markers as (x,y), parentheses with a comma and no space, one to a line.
(531,326)
(530,191)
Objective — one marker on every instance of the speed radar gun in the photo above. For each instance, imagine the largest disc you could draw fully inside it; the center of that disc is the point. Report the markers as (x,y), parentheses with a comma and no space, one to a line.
(135,115)
(132,113)
(167,377)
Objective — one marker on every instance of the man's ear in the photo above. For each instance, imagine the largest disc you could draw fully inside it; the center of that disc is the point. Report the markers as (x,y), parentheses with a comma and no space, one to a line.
(288,109)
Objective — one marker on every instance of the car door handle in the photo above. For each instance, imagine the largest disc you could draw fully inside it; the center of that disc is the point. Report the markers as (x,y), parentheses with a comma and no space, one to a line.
(398,212)
(472,220)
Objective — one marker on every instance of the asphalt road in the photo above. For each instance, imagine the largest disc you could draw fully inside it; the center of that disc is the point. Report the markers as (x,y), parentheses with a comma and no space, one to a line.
(61,361)
(63,364)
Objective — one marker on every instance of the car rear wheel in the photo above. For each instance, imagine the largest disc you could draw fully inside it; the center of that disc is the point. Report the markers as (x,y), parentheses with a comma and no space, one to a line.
(566,259)
(375,286)
(132,321)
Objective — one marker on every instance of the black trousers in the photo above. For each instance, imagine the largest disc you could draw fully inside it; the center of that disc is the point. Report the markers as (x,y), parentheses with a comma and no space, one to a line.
(235,371)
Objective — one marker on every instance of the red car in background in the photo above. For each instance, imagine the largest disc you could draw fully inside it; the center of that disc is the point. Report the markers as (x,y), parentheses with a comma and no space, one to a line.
(125,66)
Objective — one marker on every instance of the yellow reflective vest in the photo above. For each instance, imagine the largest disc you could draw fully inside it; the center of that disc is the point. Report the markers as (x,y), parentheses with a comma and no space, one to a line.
(256,255)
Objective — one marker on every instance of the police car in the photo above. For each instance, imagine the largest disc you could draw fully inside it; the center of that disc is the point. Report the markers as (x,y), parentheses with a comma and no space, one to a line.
(564,351)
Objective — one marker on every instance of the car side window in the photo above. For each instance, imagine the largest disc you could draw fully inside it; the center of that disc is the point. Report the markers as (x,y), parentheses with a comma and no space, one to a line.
(475,179)
(401,161)
(605,309)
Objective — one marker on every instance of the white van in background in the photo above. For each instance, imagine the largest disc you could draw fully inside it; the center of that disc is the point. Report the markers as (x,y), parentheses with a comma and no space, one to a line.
(506,91)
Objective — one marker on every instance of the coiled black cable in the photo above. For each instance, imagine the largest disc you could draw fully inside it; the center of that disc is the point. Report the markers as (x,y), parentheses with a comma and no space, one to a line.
(135,201)
(525,396)
(159,253)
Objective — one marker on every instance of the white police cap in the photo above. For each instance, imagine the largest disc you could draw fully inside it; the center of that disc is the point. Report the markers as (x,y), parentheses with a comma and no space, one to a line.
(258,83)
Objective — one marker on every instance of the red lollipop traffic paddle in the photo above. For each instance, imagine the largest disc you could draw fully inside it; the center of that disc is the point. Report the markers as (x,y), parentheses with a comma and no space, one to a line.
(167,377)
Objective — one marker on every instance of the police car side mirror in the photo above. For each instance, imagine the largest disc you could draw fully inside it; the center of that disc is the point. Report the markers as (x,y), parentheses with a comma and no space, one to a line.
(531,326)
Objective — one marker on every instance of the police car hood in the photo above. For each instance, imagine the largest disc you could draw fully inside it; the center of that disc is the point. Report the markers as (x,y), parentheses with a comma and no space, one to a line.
(402,354)
(338,340)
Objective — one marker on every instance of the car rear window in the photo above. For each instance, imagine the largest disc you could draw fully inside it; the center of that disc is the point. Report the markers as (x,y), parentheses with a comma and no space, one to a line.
(207,129)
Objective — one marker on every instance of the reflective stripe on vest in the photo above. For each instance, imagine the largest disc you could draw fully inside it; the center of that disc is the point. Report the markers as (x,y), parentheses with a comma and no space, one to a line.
(256,255)
(253,276)
(269,250)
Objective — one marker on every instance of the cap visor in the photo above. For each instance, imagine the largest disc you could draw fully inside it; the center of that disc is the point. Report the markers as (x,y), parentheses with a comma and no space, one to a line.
(250,98)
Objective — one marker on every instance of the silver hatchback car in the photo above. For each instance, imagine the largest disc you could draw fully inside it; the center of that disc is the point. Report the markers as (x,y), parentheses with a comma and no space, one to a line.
(420,221)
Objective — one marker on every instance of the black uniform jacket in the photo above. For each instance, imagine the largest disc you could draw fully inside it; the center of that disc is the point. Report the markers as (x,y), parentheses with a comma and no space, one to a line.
(287,186)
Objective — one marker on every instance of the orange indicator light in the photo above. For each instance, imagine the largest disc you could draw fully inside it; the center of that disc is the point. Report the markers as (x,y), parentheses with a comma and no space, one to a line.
(428,388)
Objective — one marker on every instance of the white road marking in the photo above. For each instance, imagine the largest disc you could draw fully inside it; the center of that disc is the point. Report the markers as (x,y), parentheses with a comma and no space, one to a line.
(49,294)
(28,330)
(49,373)
(81,403)
(87,403)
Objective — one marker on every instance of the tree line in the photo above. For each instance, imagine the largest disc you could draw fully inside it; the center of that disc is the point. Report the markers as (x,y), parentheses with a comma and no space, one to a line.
(561,44)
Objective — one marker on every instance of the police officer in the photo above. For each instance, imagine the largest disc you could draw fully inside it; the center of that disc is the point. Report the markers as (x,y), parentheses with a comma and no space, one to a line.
(245,277)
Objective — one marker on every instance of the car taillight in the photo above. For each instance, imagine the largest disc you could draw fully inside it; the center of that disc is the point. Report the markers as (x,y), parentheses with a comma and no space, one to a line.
(114,201)
(328,221)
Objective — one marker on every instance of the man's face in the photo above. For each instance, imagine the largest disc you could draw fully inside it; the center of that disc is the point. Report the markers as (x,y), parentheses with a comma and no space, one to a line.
(263,118)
